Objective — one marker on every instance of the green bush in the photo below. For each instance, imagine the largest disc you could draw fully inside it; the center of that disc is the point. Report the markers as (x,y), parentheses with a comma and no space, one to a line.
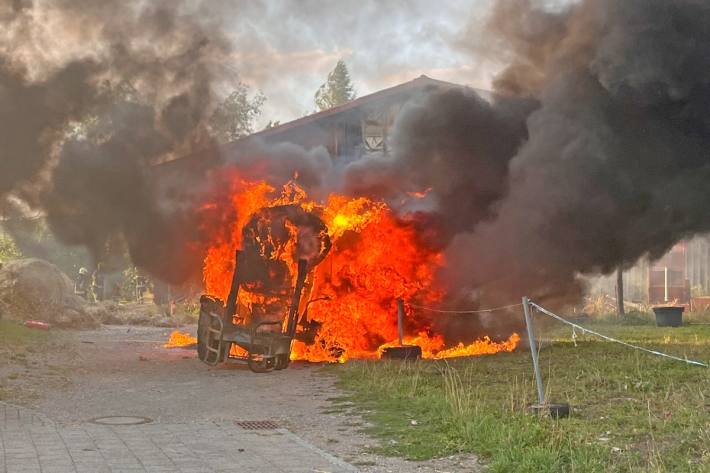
(8,249)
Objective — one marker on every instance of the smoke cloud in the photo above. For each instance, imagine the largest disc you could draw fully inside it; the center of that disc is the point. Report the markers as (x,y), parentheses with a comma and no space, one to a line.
(90,103)
(615,165)
(279,163)
(592,154)
(451,148)
(33,114)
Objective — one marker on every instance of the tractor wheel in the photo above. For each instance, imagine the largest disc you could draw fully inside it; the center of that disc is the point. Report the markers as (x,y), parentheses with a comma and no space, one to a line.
(282,362)
(202,325)
(261,365)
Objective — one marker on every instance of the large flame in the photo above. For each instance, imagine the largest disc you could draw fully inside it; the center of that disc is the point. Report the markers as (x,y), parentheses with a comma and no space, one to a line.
(180,339)
(351,296)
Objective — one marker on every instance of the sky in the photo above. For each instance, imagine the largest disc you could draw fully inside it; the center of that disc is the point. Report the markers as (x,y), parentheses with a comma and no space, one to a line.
(286,48)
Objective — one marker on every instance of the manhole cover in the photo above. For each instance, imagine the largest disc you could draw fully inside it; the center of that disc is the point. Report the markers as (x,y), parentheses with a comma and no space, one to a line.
(257,424)
(121,420)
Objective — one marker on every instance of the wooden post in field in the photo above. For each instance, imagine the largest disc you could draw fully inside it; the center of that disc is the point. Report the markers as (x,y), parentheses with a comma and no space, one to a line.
(533,350)
(400,320)
(620,291)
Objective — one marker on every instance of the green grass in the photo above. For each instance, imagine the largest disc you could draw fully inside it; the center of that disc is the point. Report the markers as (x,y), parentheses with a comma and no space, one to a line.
(18,338)
(633,411)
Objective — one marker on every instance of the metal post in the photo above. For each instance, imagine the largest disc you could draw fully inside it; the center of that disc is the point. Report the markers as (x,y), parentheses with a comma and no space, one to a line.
(665,284)
(533,350)
(620,291)
(400,320)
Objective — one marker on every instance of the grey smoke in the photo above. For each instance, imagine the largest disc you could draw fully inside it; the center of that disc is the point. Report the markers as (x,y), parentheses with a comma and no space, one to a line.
(279,163)
(33,114)
(452,145)
(616,165)
(596,157)
(94,182)
(600,159)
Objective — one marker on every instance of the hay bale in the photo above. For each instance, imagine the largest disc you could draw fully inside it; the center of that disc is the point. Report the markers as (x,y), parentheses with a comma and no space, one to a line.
(36,289)
(133,313)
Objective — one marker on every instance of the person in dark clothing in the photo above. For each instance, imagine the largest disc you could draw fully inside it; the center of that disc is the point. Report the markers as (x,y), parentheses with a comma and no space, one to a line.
(141,285)
(82,284)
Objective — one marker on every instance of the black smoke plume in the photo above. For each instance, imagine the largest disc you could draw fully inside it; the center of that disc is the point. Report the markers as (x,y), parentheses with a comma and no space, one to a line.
(453,148)
(616,163)
(592,154)
(129,83)
(33,114)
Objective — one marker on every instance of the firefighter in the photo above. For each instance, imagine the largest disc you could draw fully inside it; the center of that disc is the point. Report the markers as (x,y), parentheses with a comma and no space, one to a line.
(82,283)
(140,282)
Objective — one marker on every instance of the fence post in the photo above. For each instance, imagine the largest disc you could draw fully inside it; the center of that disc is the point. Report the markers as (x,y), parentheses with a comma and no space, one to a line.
(400,320)
(533,350)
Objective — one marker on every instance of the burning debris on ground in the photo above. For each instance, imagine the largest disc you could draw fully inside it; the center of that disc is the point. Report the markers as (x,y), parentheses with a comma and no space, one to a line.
(616,152)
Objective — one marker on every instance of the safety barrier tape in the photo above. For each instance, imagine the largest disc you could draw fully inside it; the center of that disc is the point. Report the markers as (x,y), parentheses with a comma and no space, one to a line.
(608,338)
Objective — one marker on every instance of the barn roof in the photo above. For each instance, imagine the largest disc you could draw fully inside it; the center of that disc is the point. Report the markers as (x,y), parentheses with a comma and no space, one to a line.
(420,83)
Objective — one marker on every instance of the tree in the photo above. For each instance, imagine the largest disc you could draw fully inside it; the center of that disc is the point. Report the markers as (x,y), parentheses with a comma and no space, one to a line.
(97,121)
(234,117)
(337,90)
(620,291)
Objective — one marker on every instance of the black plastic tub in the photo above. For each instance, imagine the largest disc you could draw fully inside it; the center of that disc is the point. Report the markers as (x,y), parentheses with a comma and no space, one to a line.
(669,316)
(405,352)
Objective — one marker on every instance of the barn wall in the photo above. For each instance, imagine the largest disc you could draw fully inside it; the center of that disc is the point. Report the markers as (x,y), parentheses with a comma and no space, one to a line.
(636,279)
(698,257)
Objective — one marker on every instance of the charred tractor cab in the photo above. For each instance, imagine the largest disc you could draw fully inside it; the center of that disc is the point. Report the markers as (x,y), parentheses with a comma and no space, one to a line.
(263,345)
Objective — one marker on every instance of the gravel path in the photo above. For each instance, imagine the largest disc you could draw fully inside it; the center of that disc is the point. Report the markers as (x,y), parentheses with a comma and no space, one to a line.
(125,371)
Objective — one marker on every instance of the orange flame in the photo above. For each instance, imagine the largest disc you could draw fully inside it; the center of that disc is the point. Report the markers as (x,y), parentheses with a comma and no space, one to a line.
(180,339)
(350,297)
(483,346)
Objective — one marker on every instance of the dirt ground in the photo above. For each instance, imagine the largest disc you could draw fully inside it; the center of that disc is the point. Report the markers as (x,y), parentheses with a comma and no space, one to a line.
(124,370)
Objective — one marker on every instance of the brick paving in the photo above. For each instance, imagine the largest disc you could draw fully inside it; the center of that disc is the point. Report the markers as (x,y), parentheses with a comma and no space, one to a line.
(32,443)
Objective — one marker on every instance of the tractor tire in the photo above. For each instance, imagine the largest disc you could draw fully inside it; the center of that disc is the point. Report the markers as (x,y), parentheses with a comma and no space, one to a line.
(282,362)
(203,324)
(264,365)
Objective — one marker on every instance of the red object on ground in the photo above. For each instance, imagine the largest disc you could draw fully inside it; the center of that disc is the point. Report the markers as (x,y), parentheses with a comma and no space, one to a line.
(37,324)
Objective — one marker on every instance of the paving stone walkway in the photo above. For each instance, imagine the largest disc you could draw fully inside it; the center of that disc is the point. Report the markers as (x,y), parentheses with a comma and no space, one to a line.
(31,443)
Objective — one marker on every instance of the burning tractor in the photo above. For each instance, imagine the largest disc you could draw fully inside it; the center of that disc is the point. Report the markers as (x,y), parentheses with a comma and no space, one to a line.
(258,323)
